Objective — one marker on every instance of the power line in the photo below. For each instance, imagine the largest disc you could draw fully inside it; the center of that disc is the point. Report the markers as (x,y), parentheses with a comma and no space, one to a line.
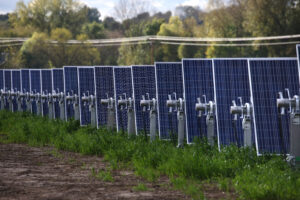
(161,39)
(231,45)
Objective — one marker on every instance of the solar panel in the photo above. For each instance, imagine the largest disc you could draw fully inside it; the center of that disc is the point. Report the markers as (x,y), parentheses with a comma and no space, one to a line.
(267,78)
(169,80)
(35,85)
(123,86)
(86,86)
(198,81)
(7,84)
(16,85)
(1,79)
(46,78)
(71,87)
(1,83)
(58,86)
(25,85)
(104,79)
(298,57)
(231,82)
(143,83)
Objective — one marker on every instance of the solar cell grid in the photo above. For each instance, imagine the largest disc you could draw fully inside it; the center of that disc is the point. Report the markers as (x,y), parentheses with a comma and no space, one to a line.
(35,85)
(268,77)
(46,75)
(25,84)
(143,83)
(169,80)
(231,82)
(86,86)
(198,81)
(7,84)
(58,86)
(104,79)
(71,87)
(123,85)
(16,85)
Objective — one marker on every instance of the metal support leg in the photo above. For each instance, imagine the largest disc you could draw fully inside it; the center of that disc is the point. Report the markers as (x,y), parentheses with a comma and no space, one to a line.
(11,105)
(19,104)
(50,110)
(181,123)
(38,108)
(92,109)
(247,132)
(295,139)
(131,122)
(111,119)
(210,122)
(76,112)
(153,125)
(62,110)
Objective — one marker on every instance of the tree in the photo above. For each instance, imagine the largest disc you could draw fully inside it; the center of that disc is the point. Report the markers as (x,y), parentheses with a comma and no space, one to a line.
(45,15)
(111,24)
(93,30)
(93,14)
(126,9)
(34,52)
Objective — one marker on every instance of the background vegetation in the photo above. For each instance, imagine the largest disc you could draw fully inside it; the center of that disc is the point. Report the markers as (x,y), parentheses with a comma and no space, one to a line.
(189,169)
(62,20)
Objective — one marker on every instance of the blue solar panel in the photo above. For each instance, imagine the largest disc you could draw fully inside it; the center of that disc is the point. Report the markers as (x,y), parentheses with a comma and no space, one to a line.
(46,88)
(268,77)
(1,79)
(87,87)
(35,85)
(143,83)
(58,86)
(7,83)
(71,87)
(198,81)
(104,87)
(16,85)
(298,57)
(25,84)
(168,80)
(123,85)
(231,82)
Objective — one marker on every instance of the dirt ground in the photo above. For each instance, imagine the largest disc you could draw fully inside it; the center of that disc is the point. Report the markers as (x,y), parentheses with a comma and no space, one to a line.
(45,173)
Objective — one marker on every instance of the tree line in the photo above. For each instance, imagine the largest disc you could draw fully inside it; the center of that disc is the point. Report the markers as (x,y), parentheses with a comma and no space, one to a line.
(62,20)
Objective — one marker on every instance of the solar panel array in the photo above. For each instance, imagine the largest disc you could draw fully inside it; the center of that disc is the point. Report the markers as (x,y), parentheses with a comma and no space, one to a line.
(46,79)
(231,82)
(71,87)
(104,80)
(198,81)
(7,84)
(35,85)
(16,85)
(143,83)
(169,80)
(255,81)
(123,87)
(25,84)
(1,81)
(58,86)
(86,86)
(268,77)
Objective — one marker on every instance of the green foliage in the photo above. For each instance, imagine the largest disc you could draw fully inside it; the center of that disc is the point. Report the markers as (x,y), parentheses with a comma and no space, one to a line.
(93,30)
(140,187)
(102,175)
(253,177)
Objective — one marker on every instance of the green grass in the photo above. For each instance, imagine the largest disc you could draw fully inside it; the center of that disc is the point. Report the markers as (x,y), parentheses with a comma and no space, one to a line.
(140,187)
(252,177)
(102,175)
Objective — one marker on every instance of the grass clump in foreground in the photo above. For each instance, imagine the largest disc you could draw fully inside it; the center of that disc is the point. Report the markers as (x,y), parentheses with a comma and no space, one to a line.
(252,177)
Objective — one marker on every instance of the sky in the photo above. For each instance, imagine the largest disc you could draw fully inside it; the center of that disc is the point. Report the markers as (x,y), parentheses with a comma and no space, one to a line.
(106,7)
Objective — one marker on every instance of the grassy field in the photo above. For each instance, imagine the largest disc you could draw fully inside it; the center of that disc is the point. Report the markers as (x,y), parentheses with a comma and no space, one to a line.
(250,176)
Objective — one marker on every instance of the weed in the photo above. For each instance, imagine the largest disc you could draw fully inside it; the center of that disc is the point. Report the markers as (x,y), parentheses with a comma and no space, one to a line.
(140,187)
(252,176)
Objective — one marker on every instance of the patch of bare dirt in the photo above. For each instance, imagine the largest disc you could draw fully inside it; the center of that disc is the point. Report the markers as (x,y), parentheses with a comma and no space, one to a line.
(45,173)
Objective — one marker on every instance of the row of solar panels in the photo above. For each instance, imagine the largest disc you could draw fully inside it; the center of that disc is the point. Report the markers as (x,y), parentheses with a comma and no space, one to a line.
(221,81)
